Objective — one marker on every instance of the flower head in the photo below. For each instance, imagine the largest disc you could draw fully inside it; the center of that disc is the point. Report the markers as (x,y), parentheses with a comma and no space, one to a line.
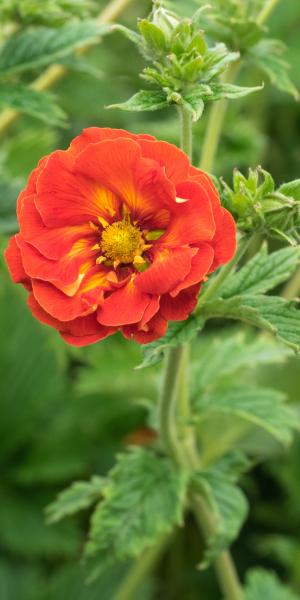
(117,233)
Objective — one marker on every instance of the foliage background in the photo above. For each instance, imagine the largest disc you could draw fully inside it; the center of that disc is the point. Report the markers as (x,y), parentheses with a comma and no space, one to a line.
(66,412)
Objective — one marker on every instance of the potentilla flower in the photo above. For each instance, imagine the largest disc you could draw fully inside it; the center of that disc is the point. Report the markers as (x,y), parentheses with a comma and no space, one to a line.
(117,233)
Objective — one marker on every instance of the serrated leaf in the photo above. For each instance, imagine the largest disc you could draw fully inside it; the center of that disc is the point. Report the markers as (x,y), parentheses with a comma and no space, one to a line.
(224,357)
(178,333)
(227,501)
(41,46)
(143,101)
(261,407)
(261,584)
(291,189)
(80,495)
(263,272)
(194,103)
(221,91)
(272,313)
(143,500)
(267,55)
(40,105)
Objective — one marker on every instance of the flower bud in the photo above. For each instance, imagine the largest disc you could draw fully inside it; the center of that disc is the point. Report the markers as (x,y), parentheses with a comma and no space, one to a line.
(257,206)
(165,19)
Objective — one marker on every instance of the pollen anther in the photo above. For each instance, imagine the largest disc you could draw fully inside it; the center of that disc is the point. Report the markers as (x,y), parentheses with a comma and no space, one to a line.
(122,242)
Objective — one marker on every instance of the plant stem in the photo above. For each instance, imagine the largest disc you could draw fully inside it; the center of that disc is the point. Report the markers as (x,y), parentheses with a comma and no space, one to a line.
(55,72)
(181,445)
(175,361)
(167,403)
(215,123)
(225,568)
(139,570)
(186,130)
(266,11)
(226,270)
(218,110)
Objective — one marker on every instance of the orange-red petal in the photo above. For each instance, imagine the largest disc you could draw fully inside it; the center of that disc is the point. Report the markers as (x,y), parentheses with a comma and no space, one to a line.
(170,266)
(193,221)
(172,159)
(200,266)
(14,262)
(139,183)
(92,135)
(155,329)
(224,241)
(124,306)
(68,198)
(179,308)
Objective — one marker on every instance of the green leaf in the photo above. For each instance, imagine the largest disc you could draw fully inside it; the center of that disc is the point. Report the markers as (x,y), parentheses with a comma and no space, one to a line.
(291,189)
(80,495)
(267,312)
(79,64)
(267,55)
(194,103)
(143,100)
(40,105)
(178,333)
(143,500)
(153,36)
(261,584)
(228,503)
(131,35)
(262,407)
(263,272)
(225,356)
(41,46)
(220,91)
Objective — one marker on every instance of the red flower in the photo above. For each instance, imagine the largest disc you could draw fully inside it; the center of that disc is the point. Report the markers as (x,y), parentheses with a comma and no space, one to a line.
(116,233)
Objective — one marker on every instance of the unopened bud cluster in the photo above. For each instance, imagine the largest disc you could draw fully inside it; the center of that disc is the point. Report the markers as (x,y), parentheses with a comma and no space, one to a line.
(257,206)
(178,51)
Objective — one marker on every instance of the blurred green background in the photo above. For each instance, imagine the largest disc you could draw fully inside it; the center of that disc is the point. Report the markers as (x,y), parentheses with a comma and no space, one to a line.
(66,412)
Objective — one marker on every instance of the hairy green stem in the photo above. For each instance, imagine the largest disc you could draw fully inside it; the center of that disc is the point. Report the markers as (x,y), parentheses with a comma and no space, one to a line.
(266,11)
(186,131)
(179,439)
(219,109)
(138,572)
(168,404)
(225,271)
(224,566)
(215,123)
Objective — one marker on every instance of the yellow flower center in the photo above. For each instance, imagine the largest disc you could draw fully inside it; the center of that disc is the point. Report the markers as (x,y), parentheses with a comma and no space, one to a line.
(122,242)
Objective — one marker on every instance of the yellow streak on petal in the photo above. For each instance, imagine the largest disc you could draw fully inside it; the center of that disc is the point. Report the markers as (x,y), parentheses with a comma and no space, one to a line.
(103,222)
(93,226)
